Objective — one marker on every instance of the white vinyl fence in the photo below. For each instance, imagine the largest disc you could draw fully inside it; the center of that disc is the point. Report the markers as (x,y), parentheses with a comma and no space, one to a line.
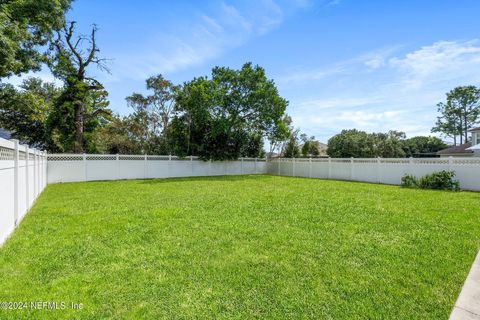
(90,167)
(23,173)
(378,170)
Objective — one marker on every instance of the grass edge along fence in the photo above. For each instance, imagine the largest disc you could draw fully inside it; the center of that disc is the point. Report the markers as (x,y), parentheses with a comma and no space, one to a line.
(378,170)
(23,173)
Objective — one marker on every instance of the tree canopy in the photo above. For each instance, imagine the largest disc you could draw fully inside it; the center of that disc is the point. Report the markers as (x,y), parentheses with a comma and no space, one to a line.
(26,26)
(459,113)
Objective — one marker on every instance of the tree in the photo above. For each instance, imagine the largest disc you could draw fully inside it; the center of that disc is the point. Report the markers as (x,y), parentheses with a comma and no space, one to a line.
(24,112)
(82,106)
(279,134)
(218,118)
(26,26)
(352,143)
(388,145)
(459,114)
(292,147)
(423,146)
(310,147)
(156,111)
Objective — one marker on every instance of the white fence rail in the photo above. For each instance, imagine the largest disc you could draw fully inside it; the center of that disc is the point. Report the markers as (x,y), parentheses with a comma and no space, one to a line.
(23,174)
(378,170)
(90,167)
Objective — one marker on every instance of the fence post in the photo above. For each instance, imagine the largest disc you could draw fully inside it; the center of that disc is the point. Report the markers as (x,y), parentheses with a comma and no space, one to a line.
(145,166)
(191,165)
(255,166)
(410,165)
(293,167)
(34,174)
(209,167)
(278,161)
(310,167)
(450,162)
(41,170)
(378,170)
(352,173)
(241,165)
(169,165)
(329,168)
(27,173)
(85,166)
(15,182)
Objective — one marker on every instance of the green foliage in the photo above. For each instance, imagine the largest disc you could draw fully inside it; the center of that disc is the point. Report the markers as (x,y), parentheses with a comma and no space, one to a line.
(442,180)
(241,247)
(220,116)
(427,146)
(352,143)
(292,147)
(154,113)
(310,147)
(459,113)
(83,106)
(25,26)
(409,181)
(360,144)
(24,111)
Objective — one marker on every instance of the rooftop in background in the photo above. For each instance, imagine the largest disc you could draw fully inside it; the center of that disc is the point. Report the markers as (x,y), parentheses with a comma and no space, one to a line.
(474,129)
(5,134)
(456,150)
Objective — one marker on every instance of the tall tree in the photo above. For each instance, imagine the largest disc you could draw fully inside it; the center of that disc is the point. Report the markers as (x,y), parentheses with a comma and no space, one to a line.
(155,111)
(83,104)
(459,113)
(26,26)
(221,115)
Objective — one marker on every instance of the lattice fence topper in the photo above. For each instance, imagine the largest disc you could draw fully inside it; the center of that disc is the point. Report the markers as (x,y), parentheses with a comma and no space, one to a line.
(6,154)
(100,157)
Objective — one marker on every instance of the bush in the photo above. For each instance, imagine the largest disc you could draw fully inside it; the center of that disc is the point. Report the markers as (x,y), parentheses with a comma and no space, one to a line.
(442,180)
(409,181)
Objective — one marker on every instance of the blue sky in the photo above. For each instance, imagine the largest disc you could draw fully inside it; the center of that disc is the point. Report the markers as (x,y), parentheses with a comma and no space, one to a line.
(374,65)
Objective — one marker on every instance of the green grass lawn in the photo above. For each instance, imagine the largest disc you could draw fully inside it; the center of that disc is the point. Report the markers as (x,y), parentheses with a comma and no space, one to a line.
(241,247)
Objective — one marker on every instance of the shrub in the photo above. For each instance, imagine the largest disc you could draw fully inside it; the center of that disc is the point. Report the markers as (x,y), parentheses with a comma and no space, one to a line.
(409,181)
(442,180)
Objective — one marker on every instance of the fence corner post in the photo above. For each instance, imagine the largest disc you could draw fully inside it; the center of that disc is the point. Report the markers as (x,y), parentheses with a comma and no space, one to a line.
(15,182)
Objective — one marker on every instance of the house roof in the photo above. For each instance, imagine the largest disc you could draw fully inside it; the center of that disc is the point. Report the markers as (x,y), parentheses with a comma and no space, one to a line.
(4,134)
(461,149)
(475,147)
(474,129)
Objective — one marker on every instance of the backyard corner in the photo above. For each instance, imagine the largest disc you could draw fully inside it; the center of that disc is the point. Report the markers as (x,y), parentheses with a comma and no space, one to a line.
(239,247)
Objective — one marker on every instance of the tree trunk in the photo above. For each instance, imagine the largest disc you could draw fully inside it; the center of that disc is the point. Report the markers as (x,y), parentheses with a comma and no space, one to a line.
(78,148)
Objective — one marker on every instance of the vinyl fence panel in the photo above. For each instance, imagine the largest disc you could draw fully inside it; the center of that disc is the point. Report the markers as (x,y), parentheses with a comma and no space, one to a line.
(22,179)
(379,170)
(72,168)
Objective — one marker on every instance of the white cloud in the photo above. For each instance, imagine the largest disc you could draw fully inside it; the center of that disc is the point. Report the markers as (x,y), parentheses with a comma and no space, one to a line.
(383,90)
(441,61)
(208,37)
